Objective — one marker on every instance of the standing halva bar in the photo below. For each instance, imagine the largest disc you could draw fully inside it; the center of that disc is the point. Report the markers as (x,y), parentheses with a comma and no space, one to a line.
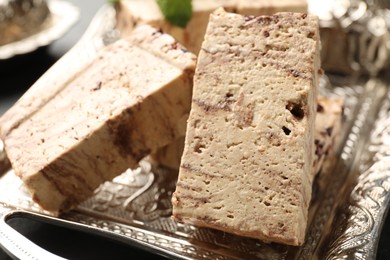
(132,13)
(249,148)
(103,121)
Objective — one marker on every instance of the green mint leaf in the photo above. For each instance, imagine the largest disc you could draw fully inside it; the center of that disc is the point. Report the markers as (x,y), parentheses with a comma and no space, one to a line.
(113,1)
(177,12)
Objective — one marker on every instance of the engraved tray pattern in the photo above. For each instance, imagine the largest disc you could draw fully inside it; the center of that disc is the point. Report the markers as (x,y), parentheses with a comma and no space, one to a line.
(352,193)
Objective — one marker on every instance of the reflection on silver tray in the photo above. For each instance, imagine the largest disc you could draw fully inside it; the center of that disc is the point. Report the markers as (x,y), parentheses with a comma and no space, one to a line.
(62,16)
(347,210)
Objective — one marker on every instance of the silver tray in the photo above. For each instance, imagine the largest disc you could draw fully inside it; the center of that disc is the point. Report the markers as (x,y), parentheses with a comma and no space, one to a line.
(349,204)
(61,18)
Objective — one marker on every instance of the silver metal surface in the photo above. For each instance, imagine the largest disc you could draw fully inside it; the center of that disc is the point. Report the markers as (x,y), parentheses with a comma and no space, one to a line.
(365,25)
(346,213)
(18,246)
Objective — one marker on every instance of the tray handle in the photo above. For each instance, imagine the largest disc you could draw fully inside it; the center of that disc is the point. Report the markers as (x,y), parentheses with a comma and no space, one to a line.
(18,246)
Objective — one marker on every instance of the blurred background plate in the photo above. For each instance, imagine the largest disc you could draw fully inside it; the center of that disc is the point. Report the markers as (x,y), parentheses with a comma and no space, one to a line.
(61,17)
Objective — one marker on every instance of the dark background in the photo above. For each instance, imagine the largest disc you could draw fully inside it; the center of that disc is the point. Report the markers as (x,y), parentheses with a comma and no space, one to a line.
(16,76)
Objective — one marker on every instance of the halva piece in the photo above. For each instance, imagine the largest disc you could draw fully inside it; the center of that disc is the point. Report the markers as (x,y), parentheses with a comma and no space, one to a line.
(249,147)
(103,121)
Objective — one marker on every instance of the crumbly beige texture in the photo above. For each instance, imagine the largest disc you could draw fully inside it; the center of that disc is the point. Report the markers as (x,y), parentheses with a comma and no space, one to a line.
(249,148)
(169,155)
(268,7)
(130,13)
(103,121)
(327,130)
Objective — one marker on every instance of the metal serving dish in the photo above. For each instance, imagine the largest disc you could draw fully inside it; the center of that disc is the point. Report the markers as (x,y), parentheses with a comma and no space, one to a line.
(62,15)
(350,200)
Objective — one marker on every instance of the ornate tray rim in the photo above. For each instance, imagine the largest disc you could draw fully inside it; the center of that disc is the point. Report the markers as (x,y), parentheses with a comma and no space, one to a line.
(365,202)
